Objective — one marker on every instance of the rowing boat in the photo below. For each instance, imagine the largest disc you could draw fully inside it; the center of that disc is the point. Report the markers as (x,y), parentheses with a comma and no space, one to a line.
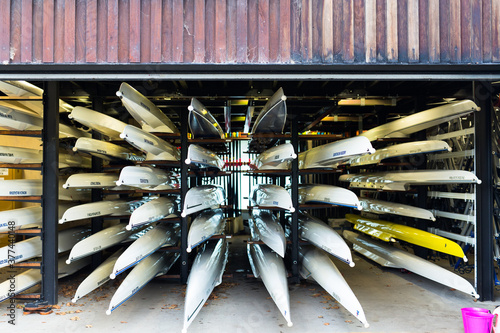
(271,196)
(97,278)
(98,121)
(72,160)
(203,158)
(270,268)
(32,247)
(421,120)
(18,155)
(100,241)
(73,194)
(202,123)
(275,158)
(272,117)
(403,149)
(390,256)
(32,277)
(147,114)
(317,265)
(91,180)
(152,211)
(96,209)
(147,178)
(328,194)
(333,153)
(206,273)
(27,90)
(154,265)
(18,120)
(208,223)
(153,146)
(401,180)
(202,197)
(20,187)
(265,227)
(26,217)
(324,237)
(386,207)
(105,150)
(389,232)
(160,235)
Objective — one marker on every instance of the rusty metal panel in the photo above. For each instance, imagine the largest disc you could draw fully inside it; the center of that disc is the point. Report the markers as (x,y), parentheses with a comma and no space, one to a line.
(250,31)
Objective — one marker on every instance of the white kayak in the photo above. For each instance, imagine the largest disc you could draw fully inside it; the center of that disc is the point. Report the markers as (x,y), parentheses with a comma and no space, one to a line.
(401,180)
(152,211)
(105,150)
(66,131)
(275,158)
(98,121)
(202,197)
(328,194)
(203,158)
(317,265)
(206,273)
(18,155)
(153,146)
(20,187)
(32,277)
(391,256)
(271,196)
(403,149)
(160,235)
(26,89)
(97,278)
(96,209)
(154,265)
(270,268)
(272,117)
(331,154)
(73,194)
(324,237)
(147,178)
(265,227)
(386,207)
(145,112)
(14,119)
(26,217)
(91,180)
(421,120)
(100,241)
(73,160)
(202,123)
(32,247)
(205,225)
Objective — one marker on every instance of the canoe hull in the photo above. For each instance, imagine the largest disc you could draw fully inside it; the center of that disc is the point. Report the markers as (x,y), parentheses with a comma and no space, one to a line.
(156,148)
(272,118)
(203,197)
(328,194)
(95,209)
(98,121)
(275,158)
(204,226)
(201,122)
(203,158)
(265,227)
(272,196)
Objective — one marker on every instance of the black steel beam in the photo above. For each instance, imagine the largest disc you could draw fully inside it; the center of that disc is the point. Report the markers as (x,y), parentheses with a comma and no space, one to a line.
(295,201)
(96,194)
(184,189)
(50,173)
(484,197)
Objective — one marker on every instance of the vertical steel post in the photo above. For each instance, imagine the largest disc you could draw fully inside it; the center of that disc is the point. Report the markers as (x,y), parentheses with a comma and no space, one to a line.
(295,201)
(484,196)
(96,193)
(50,194)
(184,189)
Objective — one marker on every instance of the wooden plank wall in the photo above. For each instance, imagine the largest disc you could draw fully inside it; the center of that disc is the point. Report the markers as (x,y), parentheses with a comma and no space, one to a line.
(250,31)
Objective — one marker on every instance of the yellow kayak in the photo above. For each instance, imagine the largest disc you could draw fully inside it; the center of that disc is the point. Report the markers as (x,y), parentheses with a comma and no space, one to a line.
(389,231)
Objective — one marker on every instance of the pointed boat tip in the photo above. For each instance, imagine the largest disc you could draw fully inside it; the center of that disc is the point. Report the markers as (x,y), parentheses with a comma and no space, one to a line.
(188,250)
(190,108)
(74,149)
(112,276)
(479,181)
(128,227)
(74,300)
(290,324)
(61,221)
(123,135)
(68,261)
(108,312)
(465,259)
(292,209)
(183,214)
(119,94)
(476,295)
(187,161)
(366,325)
(184,330)
(352,264)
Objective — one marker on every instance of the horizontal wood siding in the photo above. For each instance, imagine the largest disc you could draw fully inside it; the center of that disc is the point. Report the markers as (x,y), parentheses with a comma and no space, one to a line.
(250,31)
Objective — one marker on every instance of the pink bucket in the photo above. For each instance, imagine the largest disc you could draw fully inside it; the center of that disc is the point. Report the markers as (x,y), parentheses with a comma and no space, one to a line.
(477,320)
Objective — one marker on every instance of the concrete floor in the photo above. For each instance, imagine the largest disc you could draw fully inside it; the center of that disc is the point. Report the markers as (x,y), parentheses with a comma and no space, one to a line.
(393,302)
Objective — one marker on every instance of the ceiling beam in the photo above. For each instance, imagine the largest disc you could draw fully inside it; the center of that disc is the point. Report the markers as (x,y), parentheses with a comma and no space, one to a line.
(322,113)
